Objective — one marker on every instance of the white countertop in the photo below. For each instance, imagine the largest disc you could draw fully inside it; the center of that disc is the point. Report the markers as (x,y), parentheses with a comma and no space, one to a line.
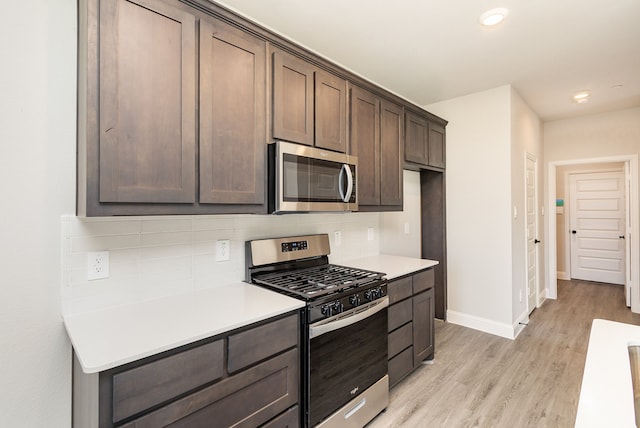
(393,266)
(112,337)
(606,396)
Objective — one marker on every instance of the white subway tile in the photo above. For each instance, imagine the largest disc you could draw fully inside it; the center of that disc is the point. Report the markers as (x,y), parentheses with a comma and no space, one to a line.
(165,238)
(103,243)
(166,224)
(101,227)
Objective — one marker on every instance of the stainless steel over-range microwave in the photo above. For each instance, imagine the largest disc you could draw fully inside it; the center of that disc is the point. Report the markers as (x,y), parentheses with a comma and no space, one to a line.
(307,179)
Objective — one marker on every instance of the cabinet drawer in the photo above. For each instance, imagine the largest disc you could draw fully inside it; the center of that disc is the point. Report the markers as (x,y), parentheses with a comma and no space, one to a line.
(254,345)
(289,419)
(399,314)
(142,387)
(400,366)
(399,289)
(400,339)
(247,399)
(423,280)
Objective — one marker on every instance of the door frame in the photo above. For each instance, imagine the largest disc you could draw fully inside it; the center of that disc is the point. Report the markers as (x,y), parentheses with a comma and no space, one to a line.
(633,267)
(532,305)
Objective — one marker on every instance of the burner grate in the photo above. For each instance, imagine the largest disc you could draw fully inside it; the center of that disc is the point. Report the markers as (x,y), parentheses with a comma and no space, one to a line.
(318,280)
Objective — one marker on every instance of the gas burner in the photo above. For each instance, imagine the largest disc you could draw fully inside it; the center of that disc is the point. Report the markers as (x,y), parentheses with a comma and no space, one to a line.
(317,281)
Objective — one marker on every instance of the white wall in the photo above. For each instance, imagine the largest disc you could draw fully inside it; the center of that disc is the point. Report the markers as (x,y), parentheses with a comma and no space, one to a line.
(37,148)
(393,239)
(488,136)
(479,209)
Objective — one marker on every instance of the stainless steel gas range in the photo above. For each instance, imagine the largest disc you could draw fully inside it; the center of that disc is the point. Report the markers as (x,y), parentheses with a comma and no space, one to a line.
(344,332)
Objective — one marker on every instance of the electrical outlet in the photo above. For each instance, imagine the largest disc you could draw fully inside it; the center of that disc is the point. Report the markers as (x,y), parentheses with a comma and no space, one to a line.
(337,238)
(223,250)
(370,234)
(97,265)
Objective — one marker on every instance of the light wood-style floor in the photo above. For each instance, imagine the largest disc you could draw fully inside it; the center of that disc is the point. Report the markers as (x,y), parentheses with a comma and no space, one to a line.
(481,380)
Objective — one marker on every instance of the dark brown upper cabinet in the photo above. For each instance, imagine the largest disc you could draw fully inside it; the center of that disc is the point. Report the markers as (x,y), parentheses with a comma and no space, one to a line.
(377,140)
(436,145)
(416,147)
(157,135)
(233,131)
(309,105)
(424,142)
(147,139)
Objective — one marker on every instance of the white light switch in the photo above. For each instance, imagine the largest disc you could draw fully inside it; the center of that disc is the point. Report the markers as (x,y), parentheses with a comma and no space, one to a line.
(406,228)
(515,212)
(337,238)
(370,234)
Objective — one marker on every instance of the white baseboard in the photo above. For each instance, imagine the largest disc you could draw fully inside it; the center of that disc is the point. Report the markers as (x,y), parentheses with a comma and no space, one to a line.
(482,324)
(564,275)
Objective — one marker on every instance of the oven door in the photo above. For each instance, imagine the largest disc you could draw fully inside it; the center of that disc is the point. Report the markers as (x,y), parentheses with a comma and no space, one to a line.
(347,355)
(310,179)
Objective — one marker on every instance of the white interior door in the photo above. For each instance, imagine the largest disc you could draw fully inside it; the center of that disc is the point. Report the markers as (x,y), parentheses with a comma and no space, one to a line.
(597,219)
(532,234)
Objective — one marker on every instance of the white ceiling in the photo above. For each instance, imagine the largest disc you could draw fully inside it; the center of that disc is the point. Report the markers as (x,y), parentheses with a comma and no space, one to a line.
(432,50)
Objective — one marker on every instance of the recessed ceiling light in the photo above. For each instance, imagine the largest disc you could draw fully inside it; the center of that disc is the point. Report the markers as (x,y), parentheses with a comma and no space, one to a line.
(581,97)
(493,17)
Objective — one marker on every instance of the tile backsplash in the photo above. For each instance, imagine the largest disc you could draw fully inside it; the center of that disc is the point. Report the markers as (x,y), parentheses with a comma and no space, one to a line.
(151,257)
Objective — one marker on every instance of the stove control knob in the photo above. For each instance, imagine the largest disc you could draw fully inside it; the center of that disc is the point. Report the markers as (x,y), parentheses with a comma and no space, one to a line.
(370,294)
(337,307)
(354,300)
(325,310)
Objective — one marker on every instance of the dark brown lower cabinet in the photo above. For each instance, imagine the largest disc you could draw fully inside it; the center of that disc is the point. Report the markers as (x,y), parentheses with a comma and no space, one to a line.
(411,315)
(246,378)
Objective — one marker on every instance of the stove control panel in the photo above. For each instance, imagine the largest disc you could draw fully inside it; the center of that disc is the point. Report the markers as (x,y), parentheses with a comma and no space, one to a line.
(287,247)
(337,304)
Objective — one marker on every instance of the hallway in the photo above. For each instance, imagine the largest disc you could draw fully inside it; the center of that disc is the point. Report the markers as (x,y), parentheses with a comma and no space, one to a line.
(482,380)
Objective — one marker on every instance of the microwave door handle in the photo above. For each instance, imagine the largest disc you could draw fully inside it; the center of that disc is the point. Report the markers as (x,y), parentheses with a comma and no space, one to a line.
(345,195)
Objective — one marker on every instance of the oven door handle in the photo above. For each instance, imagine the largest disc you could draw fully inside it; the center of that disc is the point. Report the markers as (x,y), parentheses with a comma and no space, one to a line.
(319,330)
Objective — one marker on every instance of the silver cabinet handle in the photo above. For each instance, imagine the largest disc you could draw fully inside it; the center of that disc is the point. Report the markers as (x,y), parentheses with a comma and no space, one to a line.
(319,330)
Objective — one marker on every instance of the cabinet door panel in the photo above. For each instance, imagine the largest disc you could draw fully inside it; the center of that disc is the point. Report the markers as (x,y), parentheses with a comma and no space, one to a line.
(391,150)
(416,139)
(140,388)
(365,144)
(330,112)
(247,399)
(147,102)
(399,314)
(423,307)
(251,346)
(400,366)
(400,339)
(423,280)
(292,99)
(436,145)
(399,289)
(232,115)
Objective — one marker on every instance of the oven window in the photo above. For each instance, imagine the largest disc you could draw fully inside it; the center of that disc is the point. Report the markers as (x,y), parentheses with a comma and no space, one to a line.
(344,363)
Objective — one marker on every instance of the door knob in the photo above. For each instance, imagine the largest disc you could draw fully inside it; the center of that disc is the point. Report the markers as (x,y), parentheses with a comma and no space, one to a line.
(621,236)
(535,241)
(574,232)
